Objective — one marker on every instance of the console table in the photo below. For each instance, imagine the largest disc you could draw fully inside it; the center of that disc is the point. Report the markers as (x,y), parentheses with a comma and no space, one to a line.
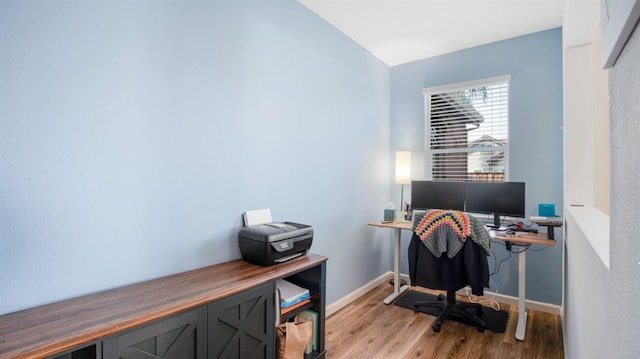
(522,239)
(190,304)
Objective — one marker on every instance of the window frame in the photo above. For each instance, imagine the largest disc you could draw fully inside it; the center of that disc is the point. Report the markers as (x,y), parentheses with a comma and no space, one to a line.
(427,92)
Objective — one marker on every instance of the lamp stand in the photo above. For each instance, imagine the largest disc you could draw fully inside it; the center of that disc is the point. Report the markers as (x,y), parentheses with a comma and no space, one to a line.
(401,212)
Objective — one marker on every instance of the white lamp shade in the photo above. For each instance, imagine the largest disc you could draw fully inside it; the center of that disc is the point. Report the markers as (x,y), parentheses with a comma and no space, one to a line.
(403,167)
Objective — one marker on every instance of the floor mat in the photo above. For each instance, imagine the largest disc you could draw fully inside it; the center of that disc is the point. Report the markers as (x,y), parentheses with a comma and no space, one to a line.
(496,321)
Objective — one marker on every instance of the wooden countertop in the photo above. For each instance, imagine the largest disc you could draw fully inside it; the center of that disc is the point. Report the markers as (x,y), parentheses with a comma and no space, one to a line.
(54,328)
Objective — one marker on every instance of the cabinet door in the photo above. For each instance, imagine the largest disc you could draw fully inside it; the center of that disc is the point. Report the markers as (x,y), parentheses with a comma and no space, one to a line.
(242,326)
(90,352)
(182,337)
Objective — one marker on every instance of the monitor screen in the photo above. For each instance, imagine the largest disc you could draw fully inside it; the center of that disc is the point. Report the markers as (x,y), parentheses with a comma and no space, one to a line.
(497,198)
(437,195)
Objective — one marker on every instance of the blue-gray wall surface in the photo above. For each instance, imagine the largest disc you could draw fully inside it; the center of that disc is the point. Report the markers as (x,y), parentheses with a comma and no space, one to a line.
(535,136)
(134,134)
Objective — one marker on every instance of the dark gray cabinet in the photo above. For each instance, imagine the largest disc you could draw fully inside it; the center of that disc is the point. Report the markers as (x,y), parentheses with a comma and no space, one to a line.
(242,326)
(88,352)
(202,320)
(183,336)
(314,279)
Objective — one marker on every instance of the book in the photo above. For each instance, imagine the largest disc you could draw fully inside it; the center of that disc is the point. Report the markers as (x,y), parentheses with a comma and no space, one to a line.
(294,306)
(290,293)
(310,315)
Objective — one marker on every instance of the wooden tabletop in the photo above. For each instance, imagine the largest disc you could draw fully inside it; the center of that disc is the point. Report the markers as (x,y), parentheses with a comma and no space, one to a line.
(54,328)
(396,225)
(522,238)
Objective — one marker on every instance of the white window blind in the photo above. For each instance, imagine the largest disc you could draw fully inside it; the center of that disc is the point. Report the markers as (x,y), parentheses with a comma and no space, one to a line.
(467,131)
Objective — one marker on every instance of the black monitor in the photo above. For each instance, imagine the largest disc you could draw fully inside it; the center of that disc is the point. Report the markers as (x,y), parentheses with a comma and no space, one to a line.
(497,198)
(437,195)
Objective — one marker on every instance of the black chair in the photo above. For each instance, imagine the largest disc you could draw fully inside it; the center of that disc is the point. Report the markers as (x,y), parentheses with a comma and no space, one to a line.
(468,267)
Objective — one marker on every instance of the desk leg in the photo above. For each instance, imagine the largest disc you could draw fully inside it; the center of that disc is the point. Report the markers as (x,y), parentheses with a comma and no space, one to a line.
(397,290)
(522,314)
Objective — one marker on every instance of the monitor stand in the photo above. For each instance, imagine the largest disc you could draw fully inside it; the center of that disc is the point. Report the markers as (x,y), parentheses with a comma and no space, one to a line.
(496,223)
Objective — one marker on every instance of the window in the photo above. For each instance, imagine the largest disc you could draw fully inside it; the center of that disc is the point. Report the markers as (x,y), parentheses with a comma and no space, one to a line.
(467,131)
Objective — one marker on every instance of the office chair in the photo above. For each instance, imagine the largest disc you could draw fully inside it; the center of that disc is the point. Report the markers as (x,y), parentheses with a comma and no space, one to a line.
(467,266)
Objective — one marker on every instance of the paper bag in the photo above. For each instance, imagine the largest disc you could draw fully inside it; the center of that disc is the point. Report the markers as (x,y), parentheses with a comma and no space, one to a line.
(292,339)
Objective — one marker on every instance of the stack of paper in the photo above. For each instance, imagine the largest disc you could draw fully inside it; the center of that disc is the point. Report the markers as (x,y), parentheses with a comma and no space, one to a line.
(291,294)
(259,216)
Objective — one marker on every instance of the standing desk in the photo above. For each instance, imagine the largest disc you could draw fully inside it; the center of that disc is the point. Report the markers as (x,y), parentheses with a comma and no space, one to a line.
(519,239)
(522,239)
(397,228)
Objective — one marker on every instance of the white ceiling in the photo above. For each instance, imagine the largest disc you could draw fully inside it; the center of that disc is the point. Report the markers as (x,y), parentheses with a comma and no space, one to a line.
(401,31)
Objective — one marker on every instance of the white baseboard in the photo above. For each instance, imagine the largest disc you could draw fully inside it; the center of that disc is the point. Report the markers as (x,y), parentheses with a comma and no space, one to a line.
(342,302)
(529,304)
(501,298)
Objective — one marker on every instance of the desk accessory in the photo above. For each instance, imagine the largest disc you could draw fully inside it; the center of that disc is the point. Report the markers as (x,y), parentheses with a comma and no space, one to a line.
(546,210)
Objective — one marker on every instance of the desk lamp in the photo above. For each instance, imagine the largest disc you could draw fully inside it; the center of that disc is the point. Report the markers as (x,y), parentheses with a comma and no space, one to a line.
(403,174)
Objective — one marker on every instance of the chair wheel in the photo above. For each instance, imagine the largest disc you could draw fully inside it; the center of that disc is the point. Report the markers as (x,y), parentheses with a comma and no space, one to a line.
(436,327)
(480,329)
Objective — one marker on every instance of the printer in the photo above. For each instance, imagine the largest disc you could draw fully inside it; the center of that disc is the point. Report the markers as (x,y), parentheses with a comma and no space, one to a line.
(275,242)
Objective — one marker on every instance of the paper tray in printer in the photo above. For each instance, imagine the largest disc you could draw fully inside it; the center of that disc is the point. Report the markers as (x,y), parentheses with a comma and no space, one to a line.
(270,243)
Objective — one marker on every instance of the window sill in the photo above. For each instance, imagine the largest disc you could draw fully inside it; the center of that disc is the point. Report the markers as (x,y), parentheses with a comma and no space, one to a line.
(594,224)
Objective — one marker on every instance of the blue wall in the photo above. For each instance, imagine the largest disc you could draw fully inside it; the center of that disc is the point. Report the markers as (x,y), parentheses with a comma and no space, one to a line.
(535,98)
(133,134)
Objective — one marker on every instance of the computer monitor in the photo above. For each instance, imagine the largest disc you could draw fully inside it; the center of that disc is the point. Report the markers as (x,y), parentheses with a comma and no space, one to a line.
(497,198)
(437,195)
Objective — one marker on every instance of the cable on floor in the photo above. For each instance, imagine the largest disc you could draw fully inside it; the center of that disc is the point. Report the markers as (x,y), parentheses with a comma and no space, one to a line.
(495,305)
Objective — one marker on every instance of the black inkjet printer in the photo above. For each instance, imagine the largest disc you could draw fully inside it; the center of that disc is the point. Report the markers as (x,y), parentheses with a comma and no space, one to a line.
(276,242)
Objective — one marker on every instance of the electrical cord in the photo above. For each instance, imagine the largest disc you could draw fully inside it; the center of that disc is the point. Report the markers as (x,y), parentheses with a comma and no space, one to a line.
(498,264)
(495,305)
(525,247)
(391,280)
(539,249)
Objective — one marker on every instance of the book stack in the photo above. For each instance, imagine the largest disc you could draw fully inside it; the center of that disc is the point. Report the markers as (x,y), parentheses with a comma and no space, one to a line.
(310,315)
(291,296)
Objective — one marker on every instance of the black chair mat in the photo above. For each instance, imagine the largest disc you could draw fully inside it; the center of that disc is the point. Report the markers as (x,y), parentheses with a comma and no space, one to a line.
(496,321)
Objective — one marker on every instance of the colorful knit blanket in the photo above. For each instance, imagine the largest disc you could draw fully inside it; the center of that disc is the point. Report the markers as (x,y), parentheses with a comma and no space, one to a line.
(435,219)
(446,231)
(443,231)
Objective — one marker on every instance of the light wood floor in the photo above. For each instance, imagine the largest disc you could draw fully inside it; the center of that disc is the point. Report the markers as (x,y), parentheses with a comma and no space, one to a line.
(367,328)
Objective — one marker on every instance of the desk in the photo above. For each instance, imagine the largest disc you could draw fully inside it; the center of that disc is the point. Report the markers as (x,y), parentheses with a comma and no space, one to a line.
(397,227)
(520,239)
